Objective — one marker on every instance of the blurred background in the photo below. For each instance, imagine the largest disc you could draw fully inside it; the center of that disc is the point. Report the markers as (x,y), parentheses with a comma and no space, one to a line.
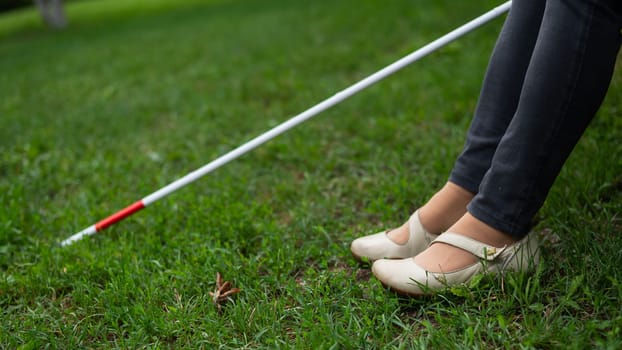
(52,12)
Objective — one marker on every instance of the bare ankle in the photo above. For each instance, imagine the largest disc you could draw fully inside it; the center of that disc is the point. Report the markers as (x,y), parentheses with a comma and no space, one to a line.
(470,226)
(444,208)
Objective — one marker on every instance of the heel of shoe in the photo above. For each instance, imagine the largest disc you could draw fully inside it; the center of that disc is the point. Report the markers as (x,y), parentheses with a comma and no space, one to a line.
(526,255)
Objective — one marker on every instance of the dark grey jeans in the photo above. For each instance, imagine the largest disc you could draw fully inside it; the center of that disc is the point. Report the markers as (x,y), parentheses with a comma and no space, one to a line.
(547,77)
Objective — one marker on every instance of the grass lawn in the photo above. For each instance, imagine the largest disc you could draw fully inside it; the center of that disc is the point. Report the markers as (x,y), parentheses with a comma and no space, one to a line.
(132,96)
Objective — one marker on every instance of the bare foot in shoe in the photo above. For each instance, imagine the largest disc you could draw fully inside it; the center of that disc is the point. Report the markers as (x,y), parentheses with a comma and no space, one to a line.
(442,257)
(399,235)
(439,213)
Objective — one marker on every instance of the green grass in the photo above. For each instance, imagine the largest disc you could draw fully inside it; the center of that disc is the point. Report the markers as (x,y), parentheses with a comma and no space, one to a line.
(130,97)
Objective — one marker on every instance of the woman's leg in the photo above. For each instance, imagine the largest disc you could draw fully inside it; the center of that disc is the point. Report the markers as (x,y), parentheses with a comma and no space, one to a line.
(565,83)
(500,92)
(498,100)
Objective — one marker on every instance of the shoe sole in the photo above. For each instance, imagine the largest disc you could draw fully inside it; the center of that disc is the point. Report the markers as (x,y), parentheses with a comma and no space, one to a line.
(362,259)
(404,293)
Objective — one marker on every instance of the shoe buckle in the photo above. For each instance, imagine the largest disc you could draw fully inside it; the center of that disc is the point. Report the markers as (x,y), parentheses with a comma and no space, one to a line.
(490,253)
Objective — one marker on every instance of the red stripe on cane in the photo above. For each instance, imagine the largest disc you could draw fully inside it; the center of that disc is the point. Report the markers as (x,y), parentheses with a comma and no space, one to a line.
(120,215)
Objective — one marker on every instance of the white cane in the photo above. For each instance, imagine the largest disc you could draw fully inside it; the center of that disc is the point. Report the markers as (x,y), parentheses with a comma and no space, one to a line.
(294,121)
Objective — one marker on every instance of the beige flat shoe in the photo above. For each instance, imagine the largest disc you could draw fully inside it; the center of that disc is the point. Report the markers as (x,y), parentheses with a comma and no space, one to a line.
(378,246)
(406,277)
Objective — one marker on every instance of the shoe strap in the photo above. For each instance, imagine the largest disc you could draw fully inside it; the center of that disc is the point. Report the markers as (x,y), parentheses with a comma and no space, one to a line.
(477,248)
(414,224)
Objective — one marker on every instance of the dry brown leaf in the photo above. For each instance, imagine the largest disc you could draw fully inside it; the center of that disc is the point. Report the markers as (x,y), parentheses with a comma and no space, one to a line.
(223,291)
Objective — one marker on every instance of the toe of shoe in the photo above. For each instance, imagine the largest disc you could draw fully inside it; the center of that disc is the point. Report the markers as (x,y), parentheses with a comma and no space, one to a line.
(360,248)
(402,276)
(373,247)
